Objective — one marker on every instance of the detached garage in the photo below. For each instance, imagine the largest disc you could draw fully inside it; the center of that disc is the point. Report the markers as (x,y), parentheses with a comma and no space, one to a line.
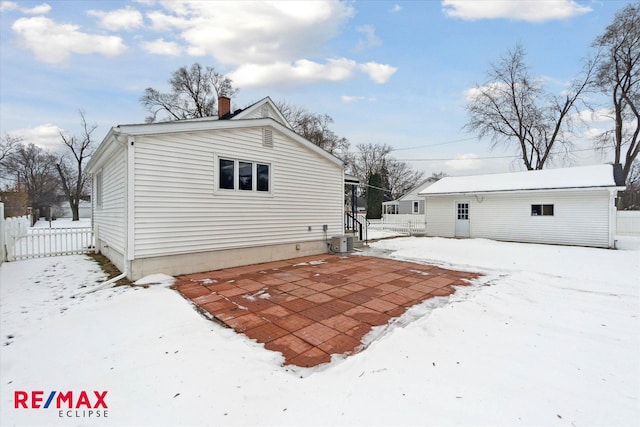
(571,206)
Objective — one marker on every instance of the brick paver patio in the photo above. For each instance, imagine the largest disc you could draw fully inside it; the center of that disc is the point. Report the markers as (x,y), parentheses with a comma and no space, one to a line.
(310,308)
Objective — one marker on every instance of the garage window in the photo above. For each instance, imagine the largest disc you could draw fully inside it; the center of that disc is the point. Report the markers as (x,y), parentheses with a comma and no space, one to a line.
(541,210)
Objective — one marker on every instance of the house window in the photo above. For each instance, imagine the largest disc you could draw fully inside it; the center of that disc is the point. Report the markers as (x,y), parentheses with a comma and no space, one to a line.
(99,189)
(244,175)
(263,177)
(541,210)
(416,207)
(227,173)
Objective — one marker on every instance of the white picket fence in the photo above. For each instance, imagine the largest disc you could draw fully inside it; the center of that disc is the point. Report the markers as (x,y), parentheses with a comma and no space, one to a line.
(23,242)
(406,224)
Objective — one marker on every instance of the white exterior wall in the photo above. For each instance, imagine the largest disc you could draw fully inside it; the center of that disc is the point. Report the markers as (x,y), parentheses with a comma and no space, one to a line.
(178,209)
(109,219)
(580,217)
(2,250)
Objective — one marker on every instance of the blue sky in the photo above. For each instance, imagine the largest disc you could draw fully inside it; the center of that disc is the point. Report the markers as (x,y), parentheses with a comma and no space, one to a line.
(387,72)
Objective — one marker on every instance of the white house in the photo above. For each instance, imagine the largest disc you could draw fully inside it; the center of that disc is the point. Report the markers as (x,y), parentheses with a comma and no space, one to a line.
(571,206)
(64,210)
(411,203)
(198,195)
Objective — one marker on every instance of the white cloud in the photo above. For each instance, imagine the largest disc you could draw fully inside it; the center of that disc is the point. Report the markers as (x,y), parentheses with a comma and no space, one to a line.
(272,43)
(347,99)
(396,8)
(379,73)
(370,40)
(286,74)
(253,32)
(42,9)
(520,10)
(121,19)
(304,71)
(597,116)
(54,43)
(46,136)
(495,89)
(162,47)
(38,10)
(464,162)
(6,6)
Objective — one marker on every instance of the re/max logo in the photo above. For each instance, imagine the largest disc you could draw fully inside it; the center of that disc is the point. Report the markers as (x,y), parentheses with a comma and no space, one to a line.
(59,399)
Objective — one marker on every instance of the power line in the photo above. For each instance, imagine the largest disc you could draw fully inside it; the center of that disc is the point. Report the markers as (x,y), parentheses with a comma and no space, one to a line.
(435,145)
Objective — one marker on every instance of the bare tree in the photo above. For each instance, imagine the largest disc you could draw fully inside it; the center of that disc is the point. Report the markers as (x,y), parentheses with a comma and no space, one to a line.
(513,109)
(194,93)
(618,76)
(396,177)
(401,178)
(7,143)
(70,165)
(33,170)
(437,176)
(315,128)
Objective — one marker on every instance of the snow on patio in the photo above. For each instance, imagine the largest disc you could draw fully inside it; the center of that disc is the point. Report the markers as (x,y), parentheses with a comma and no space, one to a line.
(553,340)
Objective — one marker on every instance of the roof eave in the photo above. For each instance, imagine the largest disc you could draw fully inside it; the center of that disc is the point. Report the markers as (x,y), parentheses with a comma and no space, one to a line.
(525,190)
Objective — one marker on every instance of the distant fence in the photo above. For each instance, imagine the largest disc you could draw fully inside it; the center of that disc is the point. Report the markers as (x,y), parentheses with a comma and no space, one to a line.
(404,223)
(628,223)
(23,242)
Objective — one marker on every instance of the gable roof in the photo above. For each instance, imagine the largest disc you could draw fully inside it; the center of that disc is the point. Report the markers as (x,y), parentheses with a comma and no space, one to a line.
(263,108)
(250,117)
(546,179)
(415,191)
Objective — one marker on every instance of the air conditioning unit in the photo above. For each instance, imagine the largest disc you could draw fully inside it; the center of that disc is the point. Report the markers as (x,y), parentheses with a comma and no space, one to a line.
(342,244)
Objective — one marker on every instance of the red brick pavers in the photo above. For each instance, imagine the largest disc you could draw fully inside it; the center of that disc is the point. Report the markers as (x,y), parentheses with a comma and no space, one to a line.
(310,308)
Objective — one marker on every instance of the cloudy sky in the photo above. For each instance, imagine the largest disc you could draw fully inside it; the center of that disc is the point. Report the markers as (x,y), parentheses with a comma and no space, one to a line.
(387,72)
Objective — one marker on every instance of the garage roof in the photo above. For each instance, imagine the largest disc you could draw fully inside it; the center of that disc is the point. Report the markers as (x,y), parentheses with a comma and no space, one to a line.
(546,179)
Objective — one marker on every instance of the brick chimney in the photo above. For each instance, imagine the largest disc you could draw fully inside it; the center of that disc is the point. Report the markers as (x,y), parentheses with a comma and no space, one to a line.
(224,106)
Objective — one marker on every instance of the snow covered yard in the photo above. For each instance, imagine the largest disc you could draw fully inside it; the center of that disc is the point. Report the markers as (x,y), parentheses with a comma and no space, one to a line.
(552,339)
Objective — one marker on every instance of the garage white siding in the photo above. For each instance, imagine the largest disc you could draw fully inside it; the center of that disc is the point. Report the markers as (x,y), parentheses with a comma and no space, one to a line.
(109,216)
(179,210)
(579,218)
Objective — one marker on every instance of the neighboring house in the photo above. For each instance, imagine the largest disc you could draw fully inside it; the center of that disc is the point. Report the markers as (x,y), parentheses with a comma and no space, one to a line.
(571,206)
(204,194)
(64,210)
(412,203)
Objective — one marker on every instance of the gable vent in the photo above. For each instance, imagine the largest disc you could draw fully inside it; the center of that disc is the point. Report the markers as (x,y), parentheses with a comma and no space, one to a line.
(265,111)
(267,137)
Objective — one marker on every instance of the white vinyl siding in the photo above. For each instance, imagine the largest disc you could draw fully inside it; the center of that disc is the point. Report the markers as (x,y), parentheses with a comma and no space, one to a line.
(109,215)
(178,209)
(579,217)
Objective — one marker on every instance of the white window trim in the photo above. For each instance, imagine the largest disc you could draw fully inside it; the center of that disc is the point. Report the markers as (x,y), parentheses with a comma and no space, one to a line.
(236,176)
